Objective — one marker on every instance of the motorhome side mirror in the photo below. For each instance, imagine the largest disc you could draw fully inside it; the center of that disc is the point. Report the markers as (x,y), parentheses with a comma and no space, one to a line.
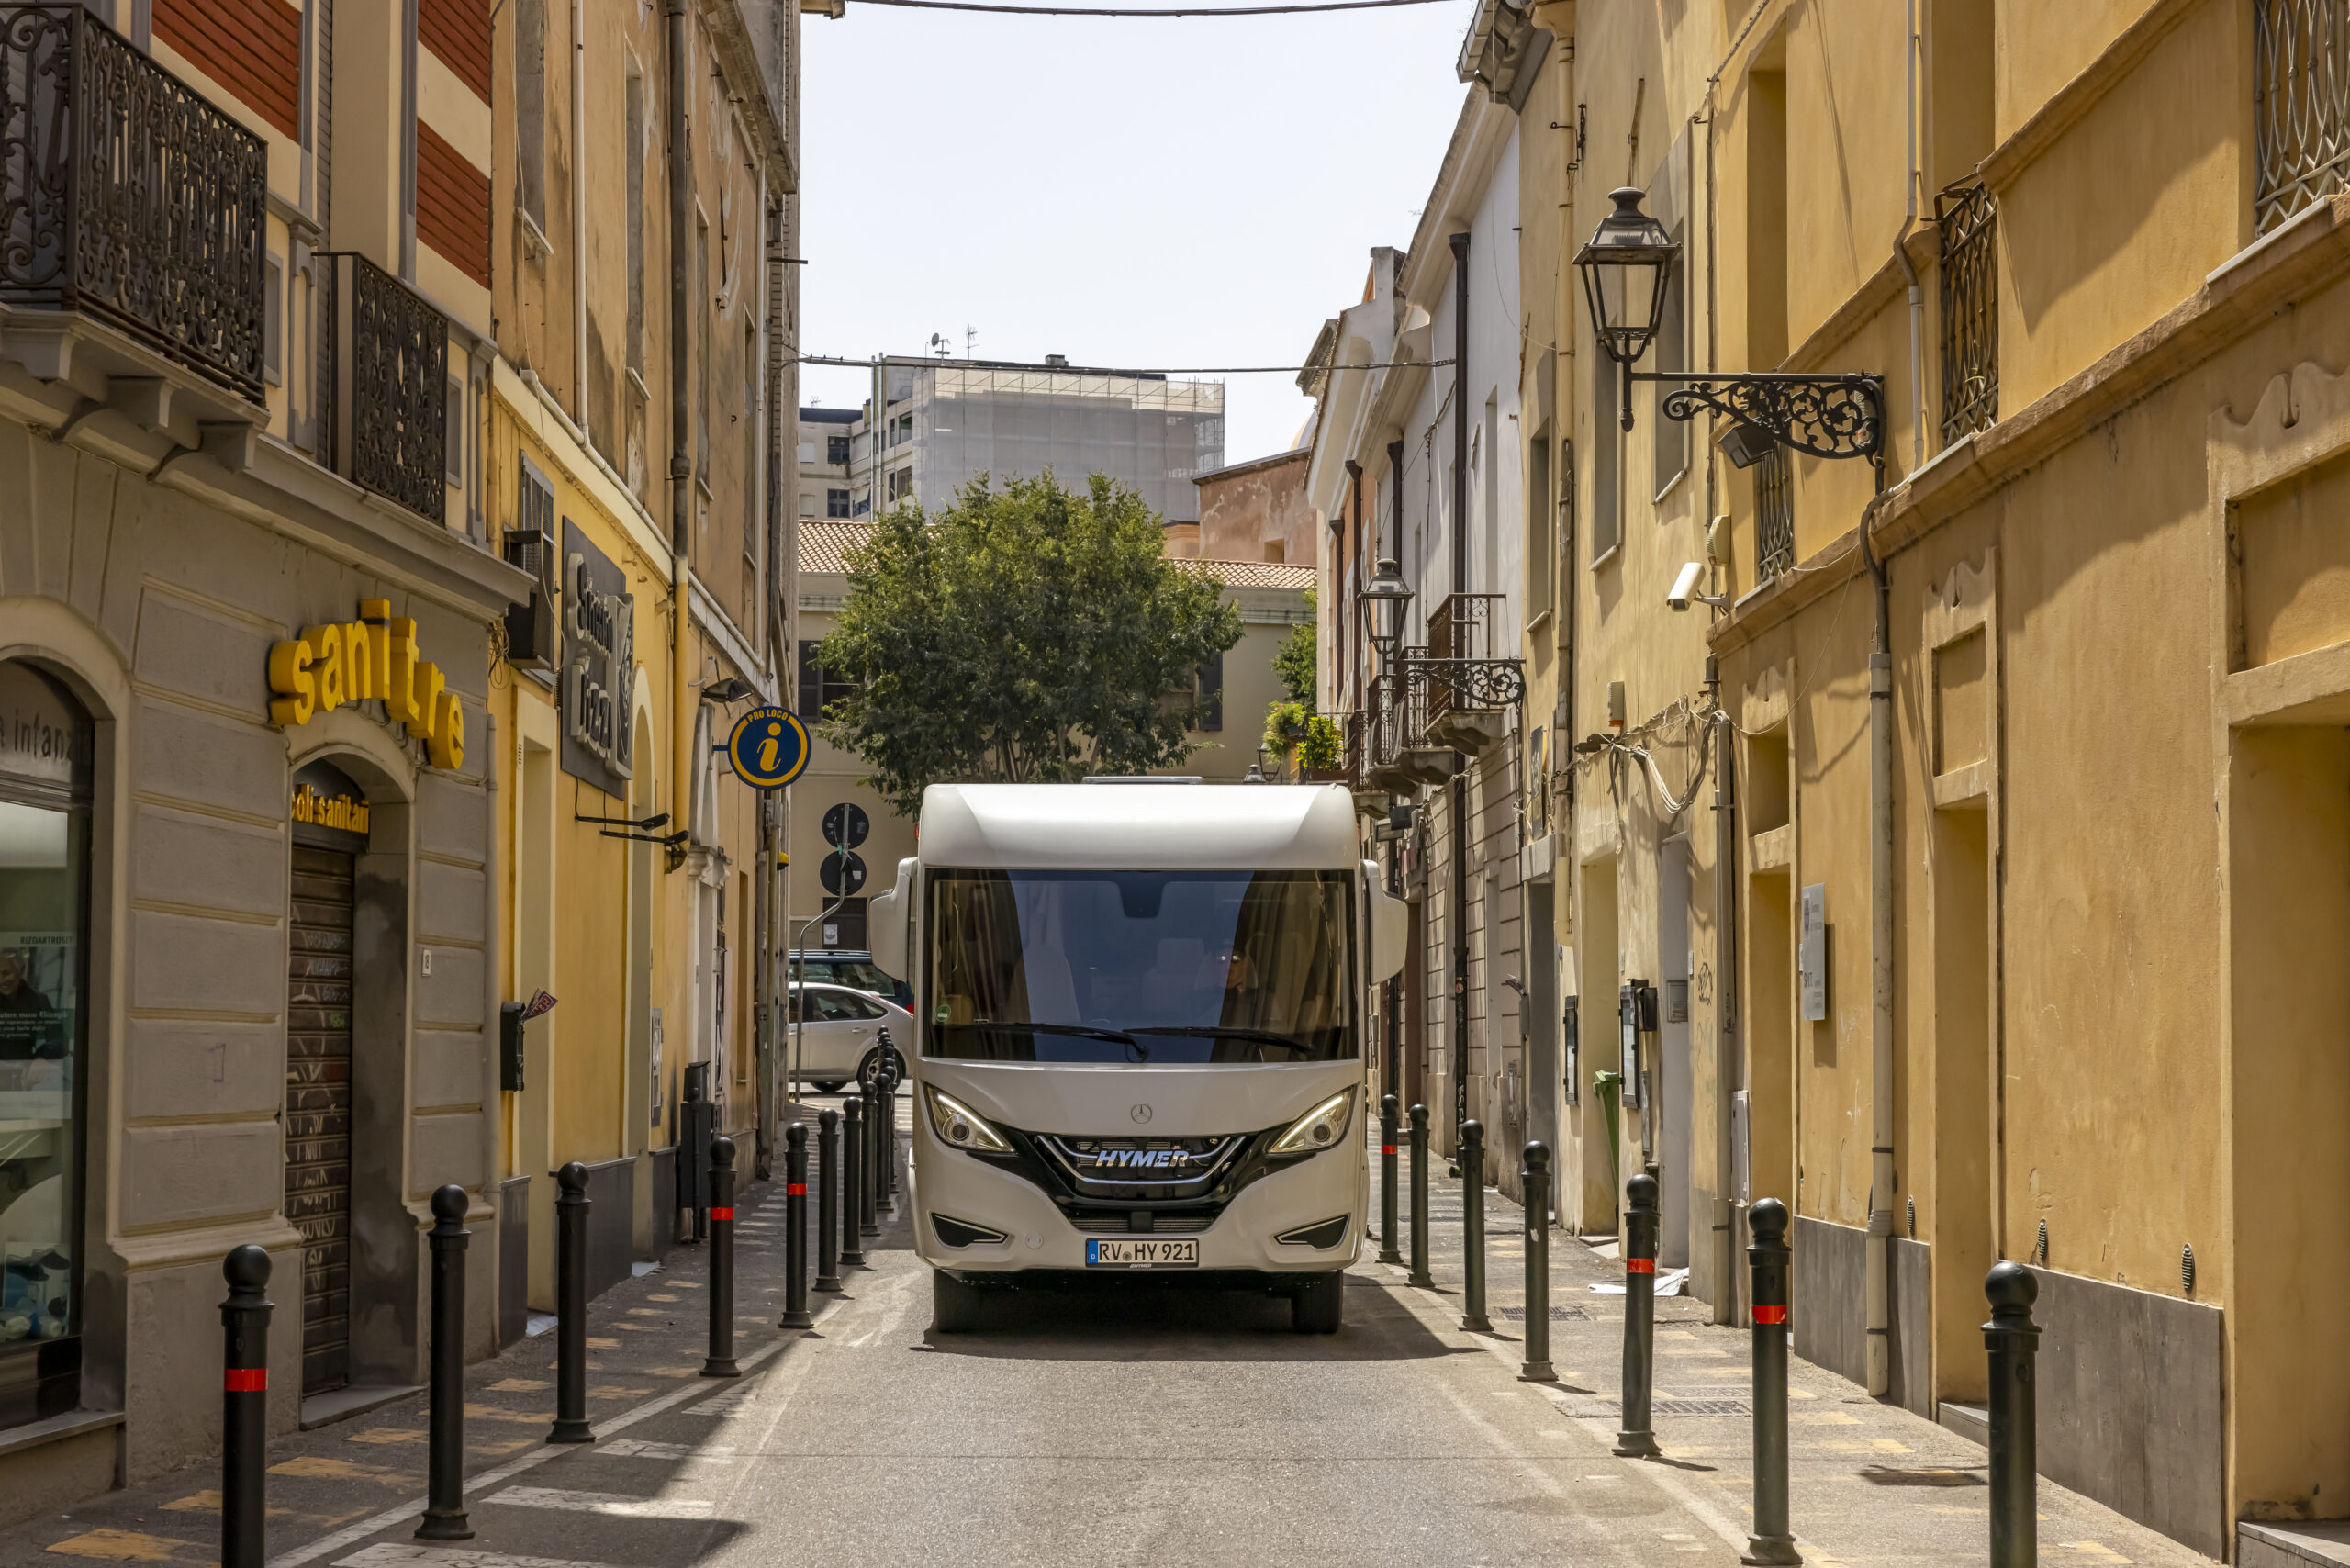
(885,923)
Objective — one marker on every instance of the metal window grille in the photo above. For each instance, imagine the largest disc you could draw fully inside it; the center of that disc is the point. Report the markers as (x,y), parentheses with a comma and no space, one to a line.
(2300,106)
(1774,510)
(1968,216)
(385,423)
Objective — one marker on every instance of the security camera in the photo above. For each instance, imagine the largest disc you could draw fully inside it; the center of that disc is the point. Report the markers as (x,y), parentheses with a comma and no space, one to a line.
(1684,590)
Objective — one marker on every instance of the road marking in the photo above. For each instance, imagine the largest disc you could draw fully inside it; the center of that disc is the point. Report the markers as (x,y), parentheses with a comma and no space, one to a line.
(614,1504)
(638,1448)
(121,1545)
(400,1554)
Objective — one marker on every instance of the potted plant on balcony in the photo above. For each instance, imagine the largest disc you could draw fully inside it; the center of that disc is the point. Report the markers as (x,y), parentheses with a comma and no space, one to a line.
(1322,752)
(1285,726)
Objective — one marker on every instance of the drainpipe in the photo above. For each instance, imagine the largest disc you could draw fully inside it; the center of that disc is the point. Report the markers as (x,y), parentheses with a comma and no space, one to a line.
(1459,845)
(493,1160)
(681,468)
(578,214)
(1729,1065)
(1879,1287)
(1901,255)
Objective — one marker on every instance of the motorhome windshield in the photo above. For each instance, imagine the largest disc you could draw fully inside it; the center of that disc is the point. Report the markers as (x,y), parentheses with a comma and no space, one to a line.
(1165,968)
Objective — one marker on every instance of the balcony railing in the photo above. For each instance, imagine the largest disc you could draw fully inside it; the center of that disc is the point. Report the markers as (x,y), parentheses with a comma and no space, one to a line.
(1464,635)
(383,422)
(2300,106)
(1968,216)
(125,196)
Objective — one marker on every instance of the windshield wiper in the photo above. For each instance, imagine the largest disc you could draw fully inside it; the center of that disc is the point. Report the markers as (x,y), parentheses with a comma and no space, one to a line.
(1213,1032)
(1090,1034)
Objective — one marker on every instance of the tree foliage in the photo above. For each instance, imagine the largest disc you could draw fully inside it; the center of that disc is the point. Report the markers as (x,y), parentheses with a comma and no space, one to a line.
(1295,660)
(1024,634)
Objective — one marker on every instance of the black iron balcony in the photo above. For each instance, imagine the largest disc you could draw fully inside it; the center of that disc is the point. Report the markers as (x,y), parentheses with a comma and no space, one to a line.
(1463,673)
(126,196)
(385,404)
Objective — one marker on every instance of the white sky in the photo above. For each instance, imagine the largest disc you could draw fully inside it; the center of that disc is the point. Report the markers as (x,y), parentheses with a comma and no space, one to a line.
(1139,193)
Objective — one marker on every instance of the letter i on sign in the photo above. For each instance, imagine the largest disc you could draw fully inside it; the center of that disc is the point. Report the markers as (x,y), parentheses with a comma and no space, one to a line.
(771,748)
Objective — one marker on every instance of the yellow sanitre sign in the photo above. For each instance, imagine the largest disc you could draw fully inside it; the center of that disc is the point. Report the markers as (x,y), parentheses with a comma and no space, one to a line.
(373,656)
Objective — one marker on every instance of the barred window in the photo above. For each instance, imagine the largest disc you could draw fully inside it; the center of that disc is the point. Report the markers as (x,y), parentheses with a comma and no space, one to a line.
(2300,106)
(1968,216)
(1774,512)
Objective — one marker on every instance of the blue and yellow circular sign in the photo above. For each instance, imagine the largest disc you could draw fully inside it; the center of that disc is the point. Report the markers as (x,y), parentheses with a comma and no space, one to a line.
(769,747)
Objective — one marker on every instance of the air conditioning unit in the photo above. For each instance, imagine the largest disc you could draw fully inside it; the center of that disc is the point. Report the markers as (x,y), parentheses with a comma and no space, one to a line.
(529,628)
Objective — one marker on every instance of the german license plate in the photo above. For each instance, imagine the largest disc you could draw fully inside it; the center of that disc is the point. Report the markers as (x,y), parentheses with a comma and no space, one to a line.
(1140,1253)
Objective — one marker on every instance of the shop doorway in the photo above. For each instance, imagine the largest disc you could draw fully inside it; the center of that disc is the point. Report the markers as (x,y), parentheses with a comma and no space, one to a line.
(320,966)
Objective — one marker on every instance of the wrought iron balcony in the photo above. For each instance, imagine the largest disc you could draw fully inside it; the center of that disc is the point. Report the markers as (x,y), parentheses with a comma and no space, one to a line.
(385,404)
(126,196)
(1461,668)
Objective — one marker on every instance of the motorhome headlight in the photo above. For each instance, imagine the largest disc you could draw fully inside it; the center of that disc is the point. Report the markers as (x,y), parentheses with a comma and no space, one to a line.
(959,1127)
(1325,1125)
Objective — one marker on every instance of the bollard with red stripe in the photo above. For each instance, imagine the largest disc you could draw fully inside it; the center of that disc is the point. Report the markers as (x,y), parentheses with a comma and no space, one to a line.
(1387,1131)
(795,1228)
(444,1508)
(244,1407)
(720,1362)
(1642,1220)
(1771,1542)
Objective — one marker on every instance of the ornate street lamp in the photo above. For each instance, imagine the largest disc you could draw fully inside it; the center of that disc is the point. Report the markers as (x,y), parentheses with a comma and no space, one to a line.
(1626,267)
(1386,587)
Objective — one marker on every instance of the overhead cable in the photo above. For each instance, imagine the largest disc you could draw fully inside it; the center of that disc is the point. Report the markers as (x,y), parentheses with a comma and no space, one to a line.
(1163,11)
(1089,370)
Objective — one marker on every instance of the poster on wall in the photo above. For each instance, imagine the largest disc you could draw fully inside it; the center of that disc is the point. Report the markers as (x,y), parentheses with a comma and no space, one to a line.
(598,666)
(37,1005)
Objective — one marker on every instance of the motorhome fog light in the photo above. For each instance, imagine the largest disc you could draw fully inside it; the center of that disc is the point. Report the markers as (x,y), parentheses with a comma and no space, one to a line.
(1319,1128)
(958,1124)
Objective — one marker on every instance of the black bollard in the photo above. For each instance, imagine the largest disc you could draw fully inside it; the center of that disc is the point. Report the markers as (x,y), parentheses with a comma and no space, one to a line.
(1387,1252)
(1642,1220)
(720,1362)
(1472,1228)
(889,1132)
(851,1180)
(868,1191)
(1771,1541)
(1535,1176)
(244,1407)
(828,1200)
(1419,1274)
(571,1306)
(444,1508)
(795,1228)
(2013,1341)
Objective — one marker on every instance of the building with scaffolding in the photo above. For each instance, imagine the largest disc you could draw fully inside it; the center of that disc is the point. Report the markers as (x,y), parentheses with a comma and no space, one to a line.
(946,422)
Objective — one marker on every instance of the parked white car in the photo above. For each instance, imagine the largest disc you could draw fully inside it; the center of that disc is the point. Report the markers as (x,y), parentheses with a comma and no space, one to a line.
(840,1036)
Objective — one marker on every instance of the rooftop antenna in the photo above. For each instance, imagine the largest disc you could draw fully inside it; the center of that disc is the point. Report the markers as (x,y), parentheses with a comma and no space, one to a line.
(938,344)
(970,336)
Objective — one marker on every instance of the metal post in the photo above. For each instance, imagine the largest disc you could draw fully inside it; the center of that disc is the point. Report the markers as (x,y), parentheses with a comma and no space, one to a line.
(444,1508)
(720,1362)
(887,1079)
(1535,1177)
(868,1192)
(851,1180)
(1387,1252)
(244,1407)
(1643,1221)
(828,1200)
(2013,1341)
(1771,1541)
(795,1228)
(1419,1274)
(1472,1228)
(571,1207)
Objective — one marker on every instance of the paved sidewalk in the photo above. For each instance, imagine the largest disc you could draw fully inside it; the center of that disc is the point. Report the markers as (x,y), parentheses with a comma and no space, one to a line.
(1869,1482)
(341,1484)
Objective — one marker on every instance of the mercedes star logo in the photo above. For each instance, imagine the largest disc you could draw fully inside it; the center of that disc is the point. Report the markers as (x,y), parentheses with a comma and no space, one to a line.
(1141,1113)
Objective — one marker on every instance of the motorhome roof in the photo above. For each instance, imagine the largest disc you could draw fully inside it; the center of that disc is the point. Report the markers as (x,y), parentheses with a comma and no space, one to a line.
(1138,827)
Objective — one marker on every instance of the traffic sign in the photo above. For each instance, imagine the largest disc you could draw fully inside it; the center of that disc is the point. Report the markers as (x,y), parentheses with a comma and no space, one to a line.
(845,825)
(769,747)
(843,874)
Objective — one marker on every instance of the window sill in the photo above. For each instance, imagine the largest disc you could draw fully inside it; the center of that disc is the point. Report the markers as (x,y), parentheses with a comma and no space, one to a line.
(1606,557)
(1537,624)
(1670,485)
(57,1428)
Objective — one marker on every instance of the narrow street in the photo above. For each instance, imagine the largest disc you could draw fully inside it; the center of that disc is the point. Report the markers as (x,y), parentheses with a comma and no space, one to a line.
(1109,1427)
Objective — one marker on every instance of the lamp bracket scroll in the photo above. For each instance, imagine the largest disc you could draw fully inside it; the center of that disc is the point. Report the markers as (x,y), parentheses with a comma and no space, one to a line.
(1837,415)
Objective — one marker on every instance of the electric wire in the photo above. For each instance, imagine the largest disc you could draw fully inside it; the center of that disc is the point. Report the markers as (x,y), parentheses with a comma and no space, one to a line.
(1158,11)
(1149,370)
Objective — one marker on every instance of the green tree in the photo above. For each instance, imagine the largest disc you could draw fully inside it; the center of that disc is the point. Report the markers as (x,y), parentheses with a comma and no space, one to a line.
(1023,634)
(1295,661)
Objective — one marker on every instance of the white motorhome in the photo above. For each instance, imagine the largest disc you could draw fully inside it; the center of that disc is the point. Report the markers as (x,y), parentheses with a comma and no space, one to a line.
(1139,1034)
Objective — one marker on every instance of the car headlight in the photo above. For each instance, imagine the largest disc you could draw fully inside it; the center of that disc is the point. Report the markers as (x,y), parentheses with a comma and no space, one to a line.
(959,1127)
(1319,1128)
